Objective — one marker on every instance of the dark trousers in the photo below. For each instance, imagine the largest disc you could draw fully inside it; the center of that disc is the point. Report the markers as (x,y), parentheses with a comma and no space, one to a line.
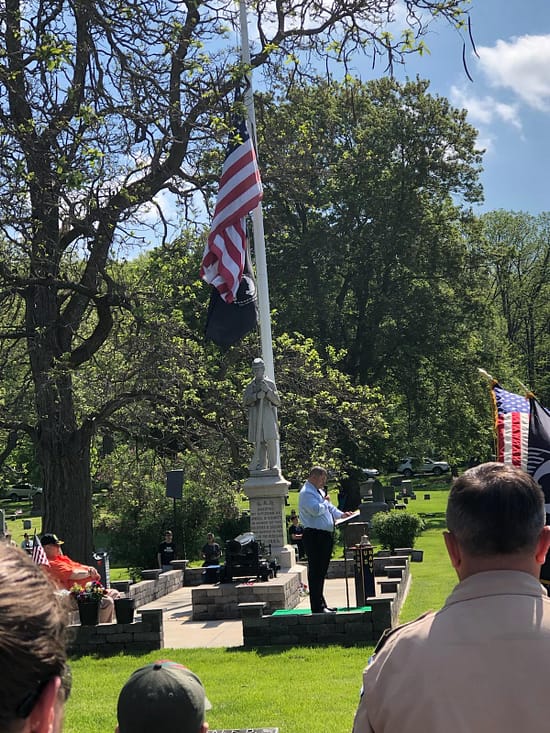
(318,544)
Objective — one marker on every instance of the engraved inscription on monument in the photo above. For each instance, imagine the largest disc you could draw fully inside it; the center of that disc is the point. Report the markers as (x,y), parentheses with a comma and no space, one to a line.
(267,521)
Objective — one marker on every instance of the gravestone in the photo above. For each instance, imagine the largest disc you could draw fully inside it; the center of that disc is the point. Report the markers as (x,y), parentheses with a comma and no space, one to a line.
(378,494)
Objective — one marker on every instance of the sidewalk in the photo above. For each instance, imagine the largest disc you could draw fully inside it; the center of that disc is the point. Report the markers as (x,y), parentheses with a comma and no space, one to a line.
(180,632)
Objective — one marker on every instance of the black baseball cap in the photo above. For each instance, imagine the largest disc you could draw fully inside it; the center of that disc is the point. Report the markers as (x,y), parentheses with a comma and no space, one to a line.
(162,696)
(50,539)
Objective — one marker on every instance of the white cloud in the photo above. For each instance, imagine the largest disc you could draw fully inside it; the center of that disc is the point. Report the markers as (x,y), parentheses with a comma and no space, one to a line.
(521,65)
(485,110)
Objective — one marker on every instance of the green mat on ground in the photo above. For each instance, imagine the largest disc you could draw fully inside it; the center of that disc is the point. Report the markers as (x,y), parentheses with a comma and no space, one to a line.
(305,611)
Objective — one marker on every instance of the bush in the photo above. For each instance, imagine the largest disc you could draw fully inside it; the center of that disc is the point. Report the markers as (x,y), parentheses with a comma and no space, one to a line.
(397,529)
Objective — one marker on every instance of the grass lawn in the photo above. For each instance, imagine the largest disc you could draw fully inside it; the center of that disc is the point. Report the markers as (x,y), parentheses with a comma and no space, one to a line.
(275,687)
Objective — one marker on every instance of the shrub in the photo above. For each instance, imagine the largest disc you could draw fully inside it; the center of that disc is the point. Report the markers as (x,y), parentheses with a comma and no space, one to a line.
(397,529)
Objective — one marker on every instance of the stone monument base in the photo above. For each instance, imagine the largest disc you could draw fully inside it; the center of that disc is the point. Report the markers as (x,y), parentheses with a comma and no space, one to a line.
(221,600)
(267,491)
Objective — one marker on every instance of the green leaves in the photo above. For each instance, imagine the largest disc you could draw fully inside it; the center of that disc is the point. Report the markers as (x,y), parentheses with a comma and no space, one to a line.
(397,528)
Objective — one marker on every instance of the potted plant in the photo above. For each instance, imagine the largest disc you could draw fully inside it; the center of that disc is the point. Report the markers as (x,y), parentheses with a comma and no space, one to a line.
(88,599)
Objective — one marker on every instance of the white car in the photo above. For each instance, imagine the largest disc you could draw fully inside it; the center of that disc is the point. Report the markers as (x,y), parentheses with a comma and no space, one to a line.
(22,491)
(410,466)
(371,472)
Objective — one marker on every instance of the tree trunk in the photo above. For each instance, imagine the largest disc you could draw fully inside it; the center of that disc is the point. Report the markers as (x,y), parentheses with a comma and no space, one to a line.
(62,447)
(65,460)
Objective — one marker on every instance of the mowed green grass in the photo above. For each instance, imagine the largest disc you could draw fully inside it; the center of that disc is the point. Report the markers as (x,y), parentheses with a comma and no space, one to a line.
(295,690)
(264,688)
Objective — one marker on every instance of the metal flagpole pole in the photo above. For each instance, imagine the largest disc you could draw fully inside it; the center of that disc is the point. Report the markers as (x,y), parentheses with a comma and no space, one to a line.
(257,217)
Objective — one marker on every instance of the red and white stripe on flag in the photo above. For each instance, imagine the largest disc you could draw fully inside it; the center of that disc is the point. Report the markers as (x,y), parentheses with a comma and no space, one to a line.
(38,554)
(512,425)
(240,193)
(512,437)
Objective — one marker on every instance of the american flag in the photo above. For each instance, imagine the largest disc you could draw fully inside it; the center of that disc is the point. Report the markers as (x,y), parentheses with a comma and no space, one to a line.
(512,426)
(240,193)
(38,555)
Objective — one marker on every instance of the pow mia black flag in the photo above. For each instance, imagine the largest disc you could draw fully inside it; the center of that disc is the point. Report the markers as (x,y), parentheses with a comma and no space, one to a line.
(538,465)
(228,323)
(538,449)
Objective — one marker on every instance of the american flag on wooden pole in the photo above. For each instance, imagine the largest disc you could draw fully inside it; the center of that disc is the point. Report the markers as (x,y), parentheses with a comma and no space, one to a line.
(512,426)
(38,555)
(240,193)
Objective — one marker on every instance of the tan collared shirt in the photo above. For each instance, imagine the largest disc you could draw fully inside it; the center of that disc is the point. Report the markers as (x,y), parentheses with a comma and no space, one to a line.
(480,664)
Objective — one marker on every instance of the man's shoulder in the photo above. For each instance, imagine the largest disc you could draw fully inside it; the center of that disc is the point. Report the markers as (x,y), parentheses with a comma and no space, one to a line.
(416,628)
(61,560)
(62,564)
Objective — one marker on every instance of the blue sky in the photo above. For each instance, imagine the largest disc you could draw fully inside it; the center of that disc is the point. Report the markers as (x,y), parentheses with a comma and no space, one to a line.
(508,100)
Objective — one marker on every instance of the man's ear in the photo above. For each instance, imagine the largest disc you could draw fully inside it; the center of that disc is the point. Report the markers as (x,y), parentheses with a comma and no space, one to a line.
(41,719)
(453,549)
(543,544)
(204,727)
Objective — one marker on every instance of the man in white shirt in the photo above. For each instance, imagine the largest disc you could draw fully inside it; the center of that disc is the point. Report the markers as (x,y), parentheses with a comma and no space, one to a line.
(317,516)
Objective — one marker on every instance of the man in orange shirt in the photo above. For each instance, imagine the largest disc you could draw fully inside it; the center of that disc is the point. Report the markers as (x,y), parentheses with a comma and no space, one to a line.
(66,572)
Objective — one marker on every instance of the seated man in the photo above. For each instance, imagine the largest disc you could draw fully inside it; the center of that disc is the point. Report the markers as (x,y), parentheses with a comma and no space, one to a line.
(66,572)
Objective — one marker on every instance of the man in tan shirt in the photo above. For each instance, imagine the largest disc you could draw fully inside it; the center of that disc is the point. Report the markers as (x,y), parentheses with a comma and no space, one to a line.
(481,663)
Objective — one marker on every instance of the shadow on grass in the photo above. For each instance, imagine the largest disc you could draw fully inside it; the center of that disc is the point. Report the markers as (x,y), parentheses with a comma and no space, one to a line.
(134,654)
(435,521)
(271,651)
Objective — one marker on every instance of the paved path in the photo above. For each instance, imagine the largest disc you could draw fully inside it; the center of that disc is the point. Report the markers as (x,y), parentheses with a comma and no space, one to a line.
(180,632)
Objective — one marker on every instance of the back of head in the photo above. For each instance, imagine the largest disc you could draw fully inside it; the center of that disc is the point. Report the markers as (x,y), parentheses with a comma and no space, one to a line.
(32,635)
(162,696)
(496,509)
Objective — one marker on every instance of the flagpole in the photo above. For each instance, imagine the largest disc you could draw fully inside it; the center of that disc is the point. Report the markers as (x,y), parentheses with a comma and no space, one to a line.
(257,216)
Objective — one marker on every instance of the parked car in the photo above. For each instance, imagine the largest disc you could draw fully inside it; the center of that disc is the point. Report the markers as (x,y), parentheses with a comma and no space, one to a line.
(410,466)
(22,491)
(371,472)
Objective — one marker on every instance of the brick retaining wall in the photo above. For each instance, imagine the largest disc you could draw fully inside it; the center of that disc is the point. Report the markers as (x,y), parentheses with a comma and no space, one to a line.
(221,600)
(149,590)
(345,627)
(105,639)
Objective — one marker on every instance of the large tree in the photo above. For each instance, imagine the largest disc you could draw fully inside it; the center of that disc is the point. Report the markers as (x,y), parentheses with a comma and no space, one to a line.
(369,227)
(516,246)
(103,107)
